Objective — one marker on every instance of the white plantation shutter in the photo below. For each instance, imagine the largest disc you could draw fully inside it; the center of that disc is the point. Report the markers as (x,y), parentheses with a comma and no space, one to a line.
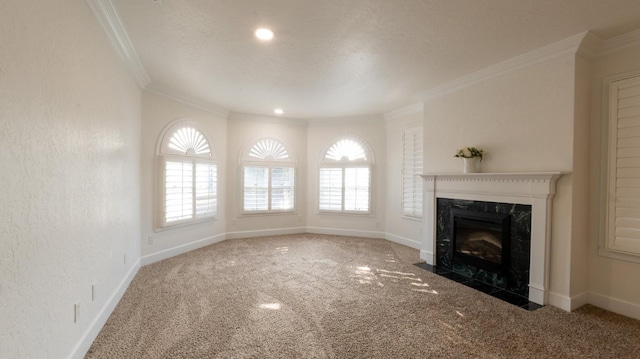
(624,167)
(411,169)
(282,188)
(256,188)
(356,189)
(178,191)
(331,189)
(206,186)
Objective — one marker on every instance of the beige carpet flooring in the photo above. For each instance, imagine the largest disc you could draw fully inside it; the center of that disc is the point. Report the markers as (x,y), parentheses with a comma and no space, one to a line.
(319,296)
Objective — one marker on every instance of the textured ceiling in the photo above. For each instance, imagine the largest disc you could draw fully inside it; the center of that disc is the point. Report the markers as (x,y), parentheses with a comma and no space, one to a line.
(335,58)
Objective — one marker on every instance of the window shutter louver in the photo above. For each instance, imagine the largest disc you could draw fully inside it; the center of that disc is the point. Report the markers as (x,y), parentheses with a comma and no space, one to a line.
(624,167)
(331,189)
(178,191)
(282,188)
(256,188)
(411,169)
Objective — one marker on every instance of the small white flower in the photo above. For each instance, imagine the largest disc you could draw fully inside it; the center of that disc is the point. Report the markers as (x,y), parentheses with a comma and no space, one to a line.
(466,152)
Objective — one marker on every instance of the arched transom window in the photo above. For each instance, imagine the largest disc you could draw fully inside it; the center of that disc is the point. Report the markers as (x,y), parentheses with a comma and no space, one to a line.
(345,177)
(188,175)
(268,175)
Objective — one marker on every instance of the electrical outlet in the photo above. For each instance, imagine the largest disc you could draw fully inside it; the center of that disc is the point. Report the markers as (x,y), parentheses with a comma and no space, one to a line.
(93,291)
(125,258)
(151,239)
(76,312)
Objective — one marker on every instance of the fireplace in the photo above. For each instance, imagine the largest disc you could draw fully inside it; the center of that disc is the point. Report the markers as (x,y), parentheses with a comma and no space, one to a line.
(481,239)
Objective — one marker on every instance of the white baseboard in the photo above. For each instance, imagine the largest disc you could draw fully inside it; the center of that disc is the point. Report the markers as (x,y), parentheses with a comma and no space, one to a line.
(402,240)
(346,232)
(625,308)
(98,322)
(428,257)
(265,232)
(174,251)
(568,304)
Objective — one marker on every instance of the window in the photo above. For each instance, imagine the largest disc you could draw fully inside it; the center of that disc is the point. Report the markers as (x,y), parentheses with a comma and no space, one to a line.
(189,176)
(622,232)
(345,178)
(411,171)
(268,175)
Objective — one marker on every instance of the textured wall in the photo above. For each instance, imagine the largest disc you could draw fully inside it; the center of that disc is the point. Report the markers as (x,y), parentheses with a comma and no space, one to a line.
(157,113)
(243,131)
(69,180)
(322,135)
(524,120)
(396,224)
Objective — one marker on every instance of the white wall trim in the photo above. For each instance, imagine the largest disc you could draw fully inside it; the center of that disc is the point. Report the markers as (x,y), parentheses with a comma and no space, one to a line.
(181,249)
(415,244)
(99,321)
(568,304)
(188,100)
(568,45)
(346,232)
(619,306)
(107,15)
(408,110)
(619,43)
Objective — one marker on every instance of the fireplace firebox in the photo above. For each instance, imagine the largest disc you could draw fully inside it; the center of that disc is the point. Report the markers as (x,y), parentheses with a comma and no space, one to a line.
(481,239)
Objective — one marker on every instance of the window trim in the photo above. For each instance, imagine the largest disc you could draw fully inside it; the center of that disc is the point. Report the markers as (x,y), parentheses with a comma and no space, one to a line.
(368,162)
(162,156)
(246,160)
(605,243)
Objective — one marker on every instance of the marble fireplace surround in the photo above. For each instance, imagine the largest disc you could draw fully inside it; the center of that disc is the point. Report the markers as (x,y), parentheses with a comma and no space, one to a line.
(531,188)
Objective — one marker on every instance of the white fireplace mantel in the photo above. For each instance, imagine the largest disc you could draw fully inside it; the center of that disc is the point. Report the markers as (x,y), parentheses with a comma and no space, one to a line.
(531,188)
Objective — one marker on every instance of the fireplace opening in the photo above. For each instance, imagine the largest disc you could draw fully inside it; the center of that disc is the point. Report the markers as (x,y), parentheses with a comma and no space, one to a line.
(481,239)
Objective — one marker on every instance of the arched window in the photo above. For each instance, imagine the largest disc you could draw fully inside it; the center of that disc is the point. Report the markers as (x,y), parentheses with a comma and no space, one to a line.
(345,177)
(189,175)
(268,176)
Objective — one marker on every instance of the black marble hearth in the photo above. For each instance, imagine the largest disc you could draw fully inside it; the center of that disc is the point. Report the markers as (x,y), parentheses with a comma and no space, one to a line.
(516,279)
(495,292)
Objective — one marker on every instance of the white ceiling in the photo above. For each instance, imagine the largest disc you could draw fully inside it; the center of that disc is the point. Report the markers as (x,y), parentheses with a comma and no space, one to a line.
(334,58)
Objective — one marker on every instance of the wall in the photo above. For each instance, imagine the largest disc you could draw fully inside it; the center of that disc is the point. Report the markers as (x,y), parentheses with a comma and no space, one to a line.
(399,228)
(612,282)
(244,130)
(524,120)
(157,113)
(320,136)
(70,178)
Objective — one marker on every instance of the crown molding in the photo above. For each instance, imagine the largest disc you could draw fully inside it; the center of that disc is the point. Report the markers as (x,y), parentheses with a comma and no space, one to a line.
(241,116)
(355,120)
(188,100)
(107,15)
(411,109)
(568,45)
(619,43)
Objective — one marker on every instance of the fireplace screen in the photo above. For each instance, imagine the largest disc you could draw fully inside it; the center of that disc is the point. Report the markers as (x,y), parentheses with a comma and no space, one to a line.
(473,239)
(481,239)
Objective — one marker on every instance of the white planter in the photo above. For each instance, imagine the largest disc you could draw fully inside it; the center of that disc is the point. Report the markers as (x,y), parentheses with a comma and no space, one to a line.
(471,165)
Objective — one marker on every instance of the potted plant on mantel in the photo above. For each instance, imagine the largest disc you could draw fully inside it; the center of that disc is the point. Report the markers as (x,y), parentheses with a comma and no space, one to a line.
(472,157)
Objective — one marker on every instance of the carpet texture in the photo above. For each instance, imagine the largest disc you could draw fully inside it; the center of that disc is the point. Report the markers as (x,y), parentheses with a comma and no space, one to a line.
(319,296)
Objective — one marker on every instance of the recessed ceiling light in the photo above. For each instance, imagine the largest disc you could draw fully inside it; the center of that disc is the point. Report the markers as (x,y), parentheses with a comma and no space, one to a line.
(264,34)
(278,111)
